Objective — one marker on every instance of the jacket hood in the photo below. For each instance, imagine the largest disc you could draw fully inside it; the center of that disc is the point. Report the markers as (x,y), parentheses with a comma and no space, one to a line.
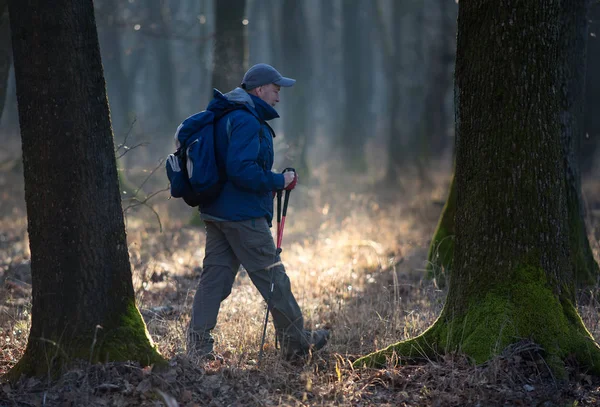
(255,105)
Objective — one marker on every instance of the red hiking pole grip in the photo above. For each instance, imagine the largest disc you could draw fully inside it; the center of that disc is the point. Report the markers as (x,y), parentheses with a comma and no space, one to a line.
(285,206)
(278,221)
(281,216)
(280,237)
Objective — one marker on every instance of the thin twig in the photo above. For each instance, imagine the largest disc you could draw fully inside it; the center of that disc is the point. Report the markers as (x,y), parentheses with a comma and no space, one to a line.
(128,149)
(159,165)
(124,143)
(145,203)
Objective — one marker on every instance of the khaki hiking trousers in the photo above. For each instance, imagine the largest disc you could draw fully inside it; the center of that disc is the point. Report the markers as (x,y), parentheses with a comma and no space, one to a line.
(249,243)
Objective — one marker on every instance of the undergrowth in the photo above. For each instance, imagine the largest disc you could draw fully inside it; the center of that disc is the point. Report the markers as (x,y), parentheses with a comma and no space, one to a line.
(356,260)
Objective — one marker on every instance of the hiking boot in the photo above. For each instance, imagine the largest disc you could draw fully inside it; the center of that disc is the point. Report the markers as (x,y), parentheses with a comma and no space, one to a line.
(318,339)
(315,340)
(201,347)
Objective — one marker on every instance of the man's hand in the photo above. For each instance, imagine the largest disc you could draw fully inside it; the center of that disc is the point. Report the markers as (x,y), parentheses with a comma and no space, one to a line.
(291,179)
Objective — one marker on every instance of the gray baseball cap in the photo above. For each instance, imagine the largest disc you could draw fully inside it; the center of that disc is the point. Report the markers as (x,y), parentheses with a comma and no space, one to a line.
(263,74)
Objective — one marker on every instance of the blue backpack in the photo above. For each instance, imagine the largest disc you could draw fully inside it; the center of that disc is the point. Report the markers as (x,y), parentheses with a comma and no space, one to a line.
(192,169)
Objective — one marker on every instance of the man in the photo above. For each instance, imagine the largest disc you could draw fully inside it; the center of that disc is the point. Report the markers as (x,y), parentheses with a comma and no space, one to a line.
(238,222)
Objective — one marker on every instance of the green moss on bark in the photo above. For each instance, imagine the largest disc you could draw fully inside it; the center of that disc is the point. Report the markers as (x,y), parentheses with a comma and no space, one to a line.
(441,249)
(124,339)
(129,340)
(524,307)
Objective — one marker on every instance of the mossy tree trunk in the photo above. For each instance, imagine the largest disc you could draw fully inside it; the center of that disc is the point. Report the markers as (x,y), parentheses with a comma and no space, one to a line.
(441,249)
(83,302)
(572,66)
(513,272)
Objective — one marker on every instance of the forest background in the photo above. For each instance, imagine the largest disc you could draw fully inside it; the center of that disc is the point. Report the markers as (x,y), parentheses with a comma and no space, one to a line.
(370,128)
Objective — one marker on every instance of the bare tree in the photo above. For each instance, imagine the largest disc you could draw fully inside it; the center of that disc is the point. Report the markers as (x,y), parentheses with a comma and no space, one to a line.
(388,35)
(513,270)
(230,44)
(5,53)
(159,22)
(296,60)
(572,67)
(120,86)
(439,79)
(358,83)
(590,154)
(83,300)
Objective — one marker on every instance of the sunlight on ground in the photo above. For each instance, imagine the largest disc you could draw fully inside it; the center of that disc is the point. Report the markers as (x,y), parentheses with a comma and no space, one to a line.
(355,261)
(355,255)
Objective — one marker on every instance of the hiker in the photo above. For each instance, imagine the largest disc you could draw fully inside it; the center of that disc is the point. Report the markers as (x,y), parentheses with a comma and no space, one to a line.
(238,221)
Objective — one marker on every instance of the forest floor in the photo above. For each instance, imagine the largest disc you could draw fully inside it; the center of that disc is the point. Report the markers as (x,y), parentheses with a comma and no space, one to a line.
(355,254)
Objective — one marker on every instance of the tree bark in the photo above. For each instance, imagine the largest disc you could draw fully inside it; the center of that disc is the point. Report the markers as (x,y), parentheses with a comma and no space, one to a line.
(513,274)
(296,62)
(590,156)
(441,250)
(163,54)
(572,99)
(358,84)
(83,304)
(389,39)
(329,65)
(5,54)
(438,83)
(120,87)
(574,35)
(230,45)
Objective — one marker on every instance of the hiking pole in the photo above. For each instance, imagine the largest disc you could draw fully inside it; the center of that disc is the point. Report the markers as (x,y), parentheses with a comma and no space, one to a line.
(272,285)
(279,221)
(280,225)
(285,206)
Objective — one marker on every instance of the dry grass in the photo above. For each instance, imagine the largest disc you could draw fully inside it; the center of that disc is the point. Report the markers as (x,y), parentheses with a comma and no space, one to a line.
(355,256)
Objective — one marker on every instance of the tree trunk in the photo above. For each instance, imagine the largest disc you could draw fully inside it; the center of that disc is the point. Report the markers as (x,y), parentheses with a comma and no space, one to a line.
(389,40)
(575,30)
(358,85)
(296,62)
(159,24)
(230,45)
(441,249)
(204,94)
(120,87)
(590,155)
(329,90)
(571,118)
(5,54)
(83,300)
(513,275)
(438,83)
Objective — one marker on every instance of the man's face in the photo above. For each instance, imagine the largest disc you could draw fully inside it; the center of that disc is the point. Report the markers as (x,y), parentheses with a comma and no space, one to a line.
(269,93)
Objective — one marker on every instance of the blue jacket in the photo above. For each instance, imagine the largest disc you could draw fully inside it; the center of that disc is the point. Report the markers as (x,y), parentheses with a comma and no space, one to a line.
(244,147)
